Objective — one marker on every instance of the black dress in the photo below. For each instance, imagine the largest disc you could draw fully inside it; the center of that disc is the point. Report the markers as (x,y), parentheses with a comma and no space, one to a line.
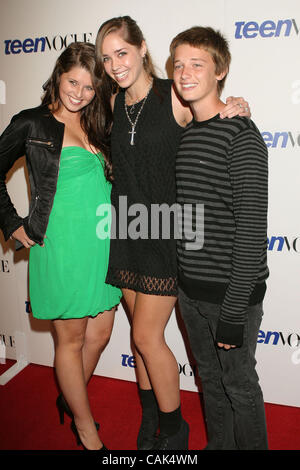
(143,244)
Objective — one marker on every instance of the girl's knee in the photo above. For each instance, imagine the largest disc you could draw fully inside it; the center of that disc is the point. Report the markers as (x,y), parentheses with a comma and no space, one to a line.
(98,339)
(146,342)
(72,342)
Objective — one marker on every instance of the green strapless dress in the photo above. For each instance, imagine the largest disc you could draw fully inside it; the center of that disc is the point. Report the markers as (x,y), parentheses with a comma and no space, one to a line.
(67,275)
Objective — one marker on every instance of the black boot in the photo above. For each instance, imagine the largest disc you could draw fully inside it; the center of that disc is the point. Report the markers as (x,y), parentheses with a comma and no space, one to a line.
(174,431)
(149,425)
(178,441)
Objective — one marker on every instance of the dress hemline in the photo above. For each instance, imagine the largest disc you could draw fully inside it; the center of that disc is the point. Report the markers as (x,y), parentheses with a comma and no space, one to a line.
(91,315)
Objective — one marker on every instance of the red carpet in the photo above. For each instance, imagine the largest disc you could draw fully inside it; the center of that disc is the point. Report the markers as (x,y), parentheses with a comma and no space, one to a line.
(29,418)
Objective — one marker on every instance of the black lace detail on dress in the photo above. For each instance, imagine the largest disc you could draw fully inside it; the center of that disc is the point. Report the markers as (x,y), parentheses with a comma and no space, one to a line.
(142,283)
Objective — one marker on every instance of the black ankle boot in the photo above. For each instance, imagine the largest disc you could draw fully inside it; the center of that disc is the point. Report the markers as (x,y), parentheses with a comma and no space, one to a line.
(149,425)
(178,441)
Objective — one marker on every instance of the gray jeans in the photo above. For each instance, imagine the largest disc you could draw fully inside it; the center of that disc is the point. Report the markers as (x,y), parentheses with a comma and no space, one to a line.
(233,400)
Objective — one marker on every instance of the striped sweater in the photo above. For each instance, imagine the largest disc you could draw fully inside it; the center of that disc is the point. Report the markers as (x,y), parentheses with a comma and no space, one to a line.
(223,165)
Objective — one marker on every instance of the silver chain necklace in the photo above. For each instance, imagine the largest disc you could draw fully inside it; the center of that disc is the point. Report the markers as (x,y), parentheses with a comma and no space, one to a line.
(133,124)
(132,106)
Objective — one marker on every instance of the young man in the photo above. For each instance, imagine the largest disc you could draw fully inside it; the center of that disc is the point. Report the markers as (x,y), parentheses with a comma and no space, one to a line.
(222,165)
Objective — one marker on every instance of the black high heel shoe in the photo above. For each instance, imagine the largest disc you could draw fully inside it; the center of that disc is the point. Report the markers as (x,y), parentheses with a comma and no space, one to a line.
(78,440)
(63,408)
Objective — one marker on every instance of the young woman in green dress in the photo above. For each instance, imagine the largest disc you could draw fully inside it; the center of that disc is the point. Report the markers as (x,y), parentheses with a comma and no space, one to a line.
(64,141)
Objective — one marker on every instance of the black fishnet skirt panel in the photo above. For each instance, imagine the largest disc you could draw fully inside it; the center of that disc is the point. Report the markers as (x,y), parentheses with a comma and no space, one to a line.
(125,279)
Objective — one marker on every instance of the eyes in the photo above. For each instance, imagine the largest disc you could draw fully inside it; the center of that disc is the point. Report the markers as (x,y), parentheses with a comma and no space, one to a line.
(118,54)
(75,83)
(195,65)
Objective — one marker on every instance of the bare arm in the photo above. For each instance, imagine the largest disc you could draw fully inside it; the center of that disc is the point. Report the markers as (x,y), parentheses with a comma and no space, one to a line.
(235,106)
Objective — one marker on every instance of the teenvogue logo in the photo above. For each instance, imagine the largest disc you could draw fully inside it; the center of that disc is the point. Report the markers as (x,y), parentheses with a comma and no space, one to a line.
(4,266)
(41,44)
(188,370)
(278,338)
(160,221)
(266,29)
(284,243)
(128,361)
(27,306)
(281,139)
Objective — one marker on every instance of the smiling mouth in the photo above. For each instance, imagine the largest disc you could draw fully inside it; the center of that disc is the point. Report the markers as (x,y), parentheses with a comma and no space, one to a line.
(121,76)
(187,86)
(74,100)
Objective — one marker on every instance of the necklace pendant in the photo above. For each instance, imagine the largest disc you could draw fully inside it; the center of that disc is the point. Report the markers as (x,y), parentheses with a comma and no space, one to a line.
(132,132)
(133,124)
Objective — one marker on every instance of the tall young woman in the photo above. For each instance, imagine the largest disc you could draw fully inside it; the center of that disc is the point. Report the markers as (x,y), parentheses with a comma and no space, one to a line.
(65,146)
(148,119)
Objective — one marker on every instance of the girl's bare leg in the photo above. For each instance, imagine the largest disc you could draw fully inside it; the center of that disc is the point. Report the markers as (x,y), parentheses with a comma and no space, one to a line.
(97,336)
(71,377)
(141,371)
(151,315)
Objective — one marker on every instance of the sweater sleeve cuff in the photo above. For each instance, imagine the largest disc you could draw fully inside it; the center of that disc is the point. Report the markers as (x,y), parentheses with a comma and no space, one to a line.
(228,333)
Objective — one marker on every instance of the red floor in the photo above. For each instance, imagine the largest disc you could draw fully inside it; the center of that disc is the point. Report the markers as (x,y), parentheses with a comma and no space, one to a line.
(29,419)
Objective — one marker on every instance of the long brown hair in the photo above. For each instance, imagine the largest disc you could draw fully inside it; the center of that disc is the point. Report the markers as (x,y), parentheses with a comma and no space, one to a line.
(94,118)
(132,34)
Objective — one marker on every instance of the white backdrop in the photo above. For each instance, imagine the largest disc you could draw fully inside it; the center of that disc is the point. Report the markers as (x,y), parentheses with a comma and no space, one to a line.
(264,41)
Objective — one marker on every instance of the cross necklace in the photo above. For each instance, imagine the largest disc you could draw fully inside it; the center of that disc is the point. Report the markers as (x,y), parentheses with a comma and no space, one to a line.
(133,124)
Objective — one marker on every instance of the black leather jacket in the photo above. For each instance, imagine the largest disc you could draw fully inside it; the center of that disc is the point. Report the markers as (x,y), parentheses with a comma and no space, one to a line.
(36,134)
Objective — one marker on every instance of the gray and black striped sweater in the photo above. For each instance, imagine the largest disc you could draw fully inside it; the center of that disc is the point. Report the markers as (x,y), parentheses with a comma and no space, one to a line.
(223,165)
